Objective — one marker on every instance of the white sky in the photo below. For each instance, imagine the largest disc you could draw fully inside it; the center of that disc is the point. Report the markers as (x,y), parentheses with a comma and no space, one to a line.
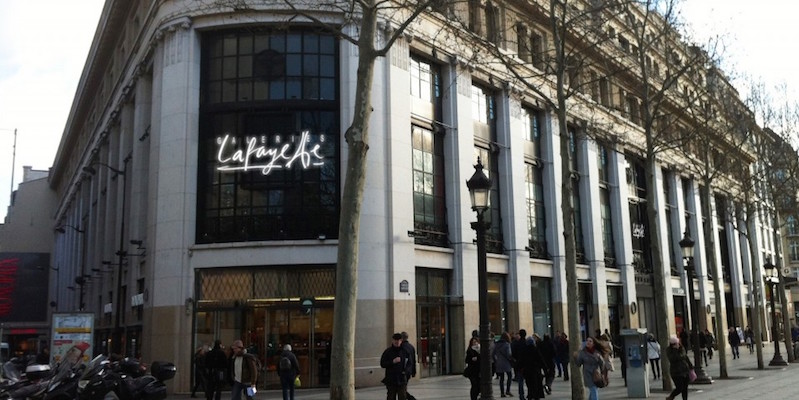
(43,46)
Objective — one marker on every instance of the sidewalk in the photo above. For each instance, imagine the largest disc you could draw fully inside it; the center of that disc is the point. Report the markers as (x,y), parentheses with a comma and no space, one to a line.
(745,382)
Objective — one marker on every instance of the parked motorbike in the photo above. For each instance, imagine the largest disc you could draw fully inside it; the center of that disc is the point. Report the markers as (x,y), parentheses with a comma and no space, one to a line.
(124,380)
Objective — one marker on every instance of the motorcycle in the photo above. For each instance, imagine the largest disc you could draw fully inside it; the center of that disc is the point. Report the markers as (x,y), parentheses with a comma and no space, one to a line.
(124,380)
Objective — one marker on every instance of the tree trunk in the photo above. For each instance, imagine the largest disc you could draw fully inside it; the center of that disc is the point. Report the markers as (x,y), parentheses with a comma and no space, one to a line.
(718,278)
(342,377)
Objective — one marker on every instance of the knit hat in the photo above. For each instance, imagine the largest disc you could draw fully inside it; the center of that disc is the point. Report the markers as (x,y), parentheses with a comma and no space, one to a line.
(673,339)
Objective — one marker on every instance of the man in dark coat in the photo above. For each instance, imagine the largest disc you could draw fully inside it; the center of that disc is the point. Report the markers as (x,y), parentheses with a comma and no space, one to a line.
(562,349)
(533,366)
(397,362)
(517,352)
(216,363)
(735,342)
(412,351)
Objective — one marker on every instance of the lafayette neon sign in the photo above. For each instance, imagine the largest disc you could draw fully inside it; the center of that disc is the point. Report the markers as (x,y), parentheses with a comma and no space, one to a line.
(259,155)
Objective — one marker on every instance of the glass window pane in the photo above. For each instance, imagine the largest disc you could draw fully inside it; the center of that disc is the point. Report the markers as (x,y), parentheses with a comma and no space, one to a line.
(294,43)
(327,89)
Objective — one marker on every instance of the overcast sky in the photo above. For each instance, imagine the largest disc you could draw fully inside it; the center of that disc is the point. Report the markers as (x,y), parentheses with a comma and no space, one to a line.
(43,46)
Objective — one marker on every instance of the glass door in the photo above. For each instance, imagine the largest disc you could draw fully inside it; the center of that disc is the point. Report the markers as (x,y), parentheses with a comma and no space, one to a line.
(431,347)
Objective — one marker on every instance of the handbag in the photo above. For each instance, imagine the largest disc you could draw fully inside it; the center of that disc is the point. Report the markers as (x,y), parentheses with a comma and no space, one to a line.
(598,378)
(691,375)
(297,382)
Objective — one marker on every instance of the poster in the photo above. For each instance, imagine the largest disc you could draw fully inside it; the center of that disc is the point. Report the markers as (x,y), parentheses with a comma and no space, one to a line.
(71,337)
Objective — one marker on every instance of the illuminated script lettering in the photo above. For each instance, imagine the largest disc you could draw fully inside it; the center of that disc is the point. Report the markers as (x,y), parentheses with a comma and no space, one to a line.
(8,278)
(258,155)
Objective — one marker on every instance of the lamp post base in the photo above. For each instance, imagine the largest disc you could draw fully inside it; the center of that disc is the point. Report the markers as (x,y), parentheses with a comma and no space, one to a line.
(777,361)
(702,378)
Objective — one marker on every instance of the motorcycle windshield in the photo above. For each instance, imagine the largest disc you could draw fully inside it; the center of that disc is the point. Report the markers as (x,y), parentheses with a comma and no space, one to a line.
(96,365)
(11,371)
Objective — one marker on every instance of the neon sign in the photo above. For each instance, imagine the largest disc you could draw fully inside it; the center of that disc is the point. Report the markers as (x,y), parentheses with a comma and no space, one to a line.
(260,155)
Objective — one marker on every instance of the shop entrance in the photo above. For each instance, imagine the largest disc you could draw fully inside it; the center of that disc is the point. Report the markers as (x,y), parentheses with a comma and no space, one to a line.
(267,309)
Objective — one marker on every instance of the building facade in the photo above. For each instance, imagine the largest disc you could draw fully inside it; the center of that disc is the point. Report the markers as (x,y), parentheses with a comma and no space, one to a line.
(26,269)
(203,161)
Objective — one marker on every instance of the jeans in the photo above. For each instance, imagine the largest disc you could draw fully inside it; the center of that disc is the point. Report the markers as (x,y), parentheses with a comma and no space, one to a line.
(287,384)
(735,353)
(520,379)
(503,388)
(237,389)
(593,393)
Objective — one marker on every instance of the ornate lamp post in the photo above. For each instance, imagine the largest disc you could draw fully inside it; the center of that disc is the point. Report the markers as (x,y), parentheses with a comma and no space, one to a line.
(687,246)
(772,278)
(479,188)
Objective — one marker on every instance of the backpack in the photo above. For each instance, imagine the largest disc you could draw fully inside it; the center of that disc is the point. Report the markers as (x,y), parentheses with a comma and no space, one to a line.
(285,363)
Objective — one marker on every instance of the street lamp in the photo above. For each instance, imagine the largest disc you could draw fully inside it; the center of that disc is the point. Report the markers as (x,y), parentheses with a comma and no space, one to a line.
(687,246)
(772,278)
(116,338)
(479,187)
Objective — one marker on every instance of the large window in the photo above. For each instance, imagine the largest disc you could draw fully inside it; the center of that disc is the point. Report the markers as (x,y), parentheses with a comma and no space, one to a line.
(484,122)
(605,209)
(429,200)
(536,212)
(429,206)
(542,305)
(269,134)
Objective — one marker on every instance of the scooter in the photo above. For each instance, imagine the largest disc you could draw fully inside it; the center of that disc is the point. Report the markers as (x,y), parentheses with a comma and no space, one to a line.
(124,380)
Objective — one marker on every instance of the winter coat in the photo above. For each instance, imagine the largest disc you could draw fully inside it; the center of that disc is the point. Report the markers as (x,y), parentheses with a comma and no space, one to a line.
(533,366)
(472,360)
(734,339)
(249,369)
(412,352)
(517,352)
(396,373)
(547,349)
(589,362)
(679,364)
(652,350)
(295,365)
(502,356)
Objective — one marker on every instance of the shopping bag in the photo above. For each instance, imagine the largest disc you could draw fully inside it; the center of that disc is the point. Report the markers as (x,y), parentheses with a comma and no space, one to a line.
(691,375)
(297,382)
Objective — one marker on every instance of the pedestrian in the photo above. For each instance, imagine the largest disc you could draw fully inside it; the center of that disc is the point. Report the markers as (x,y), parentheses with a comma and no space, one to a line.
(711,343)
(612,343)
(735,342)
(563,354)
(679,368)
(200,372)
(602,343)
(216,364)
(558,363)
(412,351)
(517,352)
(502,363)
(288,370)
(749,336)
(396,361)
(472,370)
(591,358)
(653,355)
(703,346)
(547,350)
(533,367)
(243,369)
